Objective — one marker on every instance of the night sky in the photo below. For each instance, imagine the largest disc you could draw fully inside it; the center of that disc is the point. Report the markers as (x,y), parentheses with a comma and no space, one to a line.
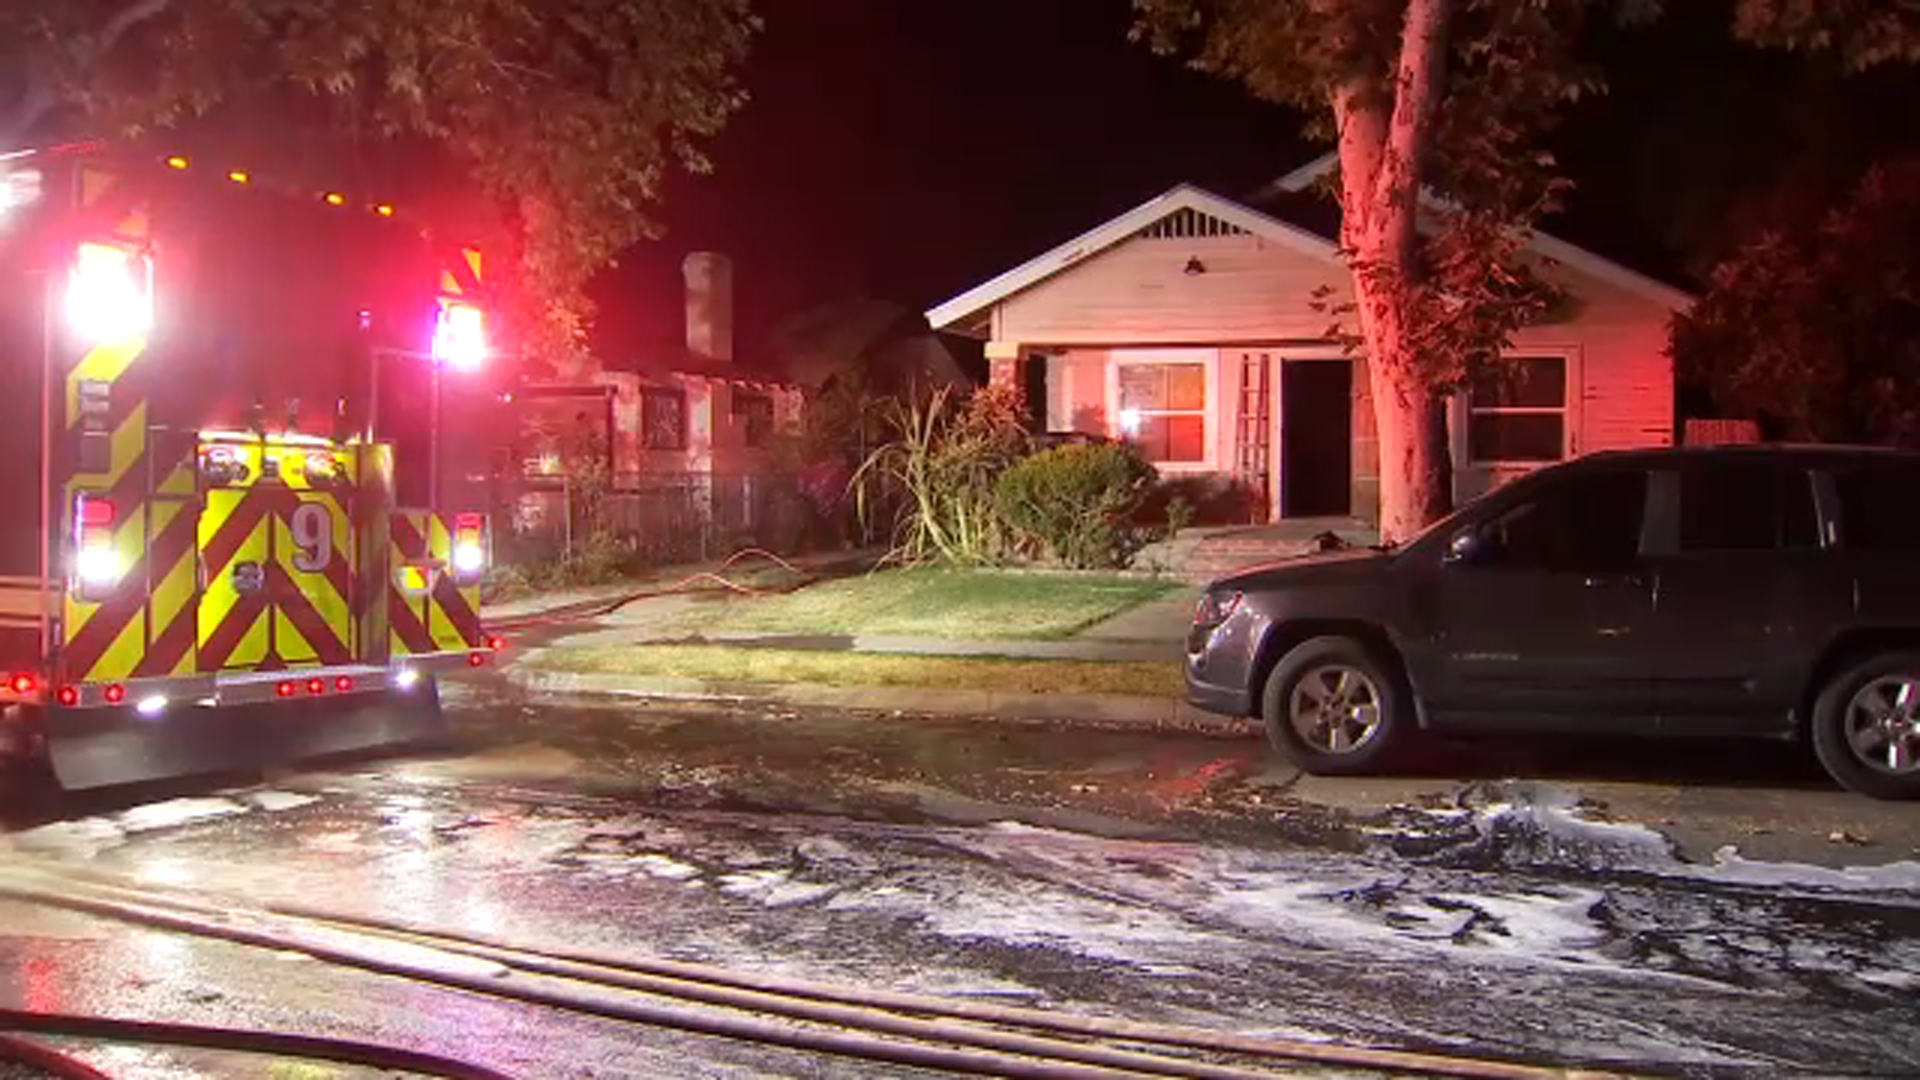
(908,150)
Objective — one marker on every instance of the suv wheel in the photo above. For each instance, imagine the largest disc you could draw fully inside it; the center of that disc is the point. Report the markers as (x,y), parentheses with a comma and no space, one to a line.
(1866,727)
(1333,708)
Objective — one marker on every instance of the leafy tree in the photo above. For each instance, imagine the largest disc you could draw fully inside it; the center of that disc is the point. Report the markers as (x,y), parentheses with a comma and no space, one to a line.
(1815,328)
(567,114)
(1450,97)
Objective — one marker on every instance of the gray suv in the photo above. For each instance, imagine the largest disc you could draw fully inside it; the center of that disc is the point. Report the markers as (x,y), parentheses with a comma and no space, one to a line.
(1763,592)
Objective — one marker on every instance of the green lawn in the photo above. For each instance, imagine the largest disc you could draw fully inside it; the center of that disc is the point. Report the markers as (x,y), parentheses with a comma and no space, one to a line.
(725,664)
(940,603)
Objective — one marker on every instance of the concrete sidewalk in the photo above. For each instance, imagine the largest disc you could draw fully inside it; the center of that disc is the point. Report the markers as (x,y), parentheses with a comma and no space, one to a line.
(1153,632)
(1089,710)
(1069,649)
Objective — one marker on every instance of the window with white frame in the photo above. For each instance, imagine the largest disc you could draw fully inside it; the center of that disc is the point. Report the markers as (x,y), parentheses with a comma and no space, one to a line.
(1162,409)
(1517,413)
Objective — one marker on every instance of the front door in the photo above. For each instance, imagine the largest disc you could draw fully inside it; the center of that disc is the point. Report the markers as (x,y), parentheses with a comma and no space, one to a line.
(1316,438)
(1547,617)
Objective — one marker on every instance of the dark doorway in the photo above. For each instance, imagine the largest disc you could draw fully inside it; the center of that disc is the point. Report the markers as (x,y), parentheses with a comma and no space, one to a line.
(1316,438)
(1033,375)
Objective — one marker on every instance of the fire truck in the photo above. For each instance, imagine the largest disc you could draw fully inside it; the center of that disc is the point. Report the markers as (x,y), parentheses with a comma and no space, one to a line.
(236,529)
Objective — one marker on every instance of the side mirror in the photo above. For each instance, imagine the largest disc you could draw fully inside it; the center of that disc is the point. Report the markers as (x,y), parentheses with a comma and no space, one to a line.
(1462,546)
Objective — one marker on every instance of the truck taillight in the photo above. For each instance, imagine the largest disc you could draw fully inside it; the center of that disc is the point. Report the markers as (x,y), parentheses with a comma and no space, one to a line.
(469,546)
(321,468)
(459,337)
(109,294)
(96,561)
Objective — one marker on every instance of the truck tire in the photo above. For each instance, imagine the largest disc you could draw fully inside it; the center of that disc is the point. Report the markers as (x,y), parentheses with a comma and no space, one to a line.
(1334,708)
(1866,726)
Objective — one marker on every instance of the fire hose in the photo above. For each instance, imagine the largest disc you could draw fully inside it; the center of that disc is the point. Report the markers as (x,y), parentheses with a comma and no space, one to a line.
(593,609)
(238,1040)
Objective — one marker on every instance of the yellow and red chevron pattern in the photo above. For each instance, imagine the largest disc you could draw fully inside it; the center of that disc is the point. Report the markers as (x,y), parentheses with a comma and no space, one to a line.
(427,609)
(145,626)
(279,572)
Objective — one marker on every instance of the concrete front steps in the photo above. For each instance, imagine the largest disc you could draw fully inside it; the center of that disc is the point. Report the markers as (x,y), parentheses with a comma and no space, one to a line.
(1201,555)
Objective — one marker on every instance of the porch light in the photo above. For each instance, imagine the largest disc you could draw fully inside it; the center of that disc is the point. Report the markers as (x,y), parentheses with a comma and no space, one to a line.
(1130,421)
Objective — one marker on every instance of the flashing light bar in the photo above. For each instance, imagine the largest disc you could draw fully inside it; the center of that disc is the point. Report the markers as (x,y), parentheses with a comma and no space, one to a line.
(239,176)
(109,293)
(459,336)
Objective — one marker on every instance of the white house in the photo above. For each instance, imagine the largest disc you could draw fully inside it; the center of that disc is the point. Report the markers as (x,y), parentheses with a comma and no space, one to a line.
(1188,325)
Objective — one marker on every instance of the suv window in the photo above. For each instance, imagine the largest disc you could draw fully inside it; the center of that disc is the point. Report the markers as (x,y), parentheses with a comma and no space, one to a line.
(1585,522)
(1746,506)
(1880,507)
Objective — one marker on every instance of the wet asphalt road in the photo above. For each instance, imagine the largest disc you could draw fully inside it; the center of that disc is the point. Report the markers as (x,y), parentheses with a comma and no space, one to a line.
(1175,878)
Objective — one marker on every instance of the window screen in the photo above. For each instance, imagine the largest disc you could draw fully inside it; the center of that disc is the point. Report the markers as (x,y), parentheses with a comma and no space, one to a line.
(1518,412)
(1163,410)
(663,419)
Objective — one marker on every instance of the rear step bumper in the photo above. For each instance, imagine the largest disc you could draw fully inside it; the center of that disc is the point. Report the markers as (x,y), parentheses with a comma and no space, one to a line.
(255,687)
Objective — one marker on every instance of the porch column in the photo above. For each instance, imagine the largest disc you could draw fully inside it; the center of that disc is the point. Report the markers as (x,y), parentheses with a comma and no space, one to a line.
(1366,446)
(1006,365)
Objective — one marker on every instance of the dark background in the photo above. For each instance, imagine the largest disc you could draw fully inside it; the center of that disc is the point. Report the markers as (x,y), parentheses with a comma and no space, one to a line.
(908,150)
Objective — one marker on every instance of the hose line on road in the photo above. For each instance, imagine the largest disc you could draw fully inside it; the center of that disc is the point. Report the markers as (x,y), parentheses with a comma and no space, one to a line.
(1025,1057)
(46,1059)
(938,1019)
(235,1040)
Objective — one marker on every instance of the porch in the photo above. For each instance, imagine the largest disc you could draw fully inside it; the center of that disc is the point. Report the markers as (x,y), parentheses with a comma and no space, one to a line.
(1201,555)
(1252,434)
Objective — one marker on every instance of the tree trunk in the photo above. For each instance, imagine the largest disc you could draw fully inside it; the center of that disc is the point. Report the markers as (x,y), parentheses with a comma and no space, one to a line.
(1384,130)
(1415,468)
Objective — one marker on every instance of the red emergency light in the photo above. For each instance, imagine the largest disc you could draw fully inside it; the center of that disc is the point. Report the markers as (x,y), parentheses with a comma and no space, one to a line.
(109,294)
(24,683)
(459,336)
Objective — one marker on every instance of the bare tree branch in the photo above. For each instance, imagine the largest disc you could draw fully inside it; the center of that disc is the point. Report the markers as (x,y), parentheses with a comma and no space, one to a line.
(135,13)
(43,93)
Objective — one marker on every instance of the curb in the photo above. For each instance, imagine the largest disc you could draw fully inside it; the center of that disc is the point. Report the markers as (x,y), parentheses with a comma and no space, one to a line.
(1085,710)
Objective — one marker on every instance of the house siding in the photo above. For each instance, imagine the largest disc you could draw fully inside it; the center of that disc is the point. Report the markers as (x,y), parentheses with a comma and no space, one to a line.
(1623,394)
(1138,292)
(1259,295)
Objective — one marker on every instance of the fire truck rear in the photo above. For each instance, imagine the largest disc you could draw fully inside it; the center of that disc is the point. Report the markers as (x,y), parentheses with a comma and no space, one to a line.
(230,534)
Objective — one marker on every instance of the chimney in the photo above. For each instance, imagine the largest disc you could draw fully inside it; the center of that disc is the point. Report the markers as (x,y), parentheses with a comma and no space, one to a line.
(709,277)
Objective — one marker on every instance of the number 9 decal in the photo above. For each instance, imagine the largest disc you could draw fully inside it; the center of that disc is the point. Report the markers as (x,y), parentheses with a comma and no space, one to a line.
(312,537)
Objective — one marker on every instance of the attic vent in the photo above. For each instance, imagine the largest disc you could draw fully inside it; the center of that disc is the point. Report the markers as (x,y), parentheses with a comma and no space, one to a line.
(1182,224)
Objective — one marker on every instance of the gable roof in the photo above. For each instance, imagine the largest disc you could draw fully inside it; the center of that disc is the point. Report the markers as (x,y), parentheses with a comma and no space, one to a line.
(1292,188)
(1102,237)
(1560,251)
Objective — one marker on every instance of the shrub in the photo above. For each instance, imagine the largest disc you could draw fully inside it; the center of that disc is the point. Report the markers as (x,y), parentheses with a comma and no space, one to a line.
(1179,515)
(1078,502)
(937,475)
